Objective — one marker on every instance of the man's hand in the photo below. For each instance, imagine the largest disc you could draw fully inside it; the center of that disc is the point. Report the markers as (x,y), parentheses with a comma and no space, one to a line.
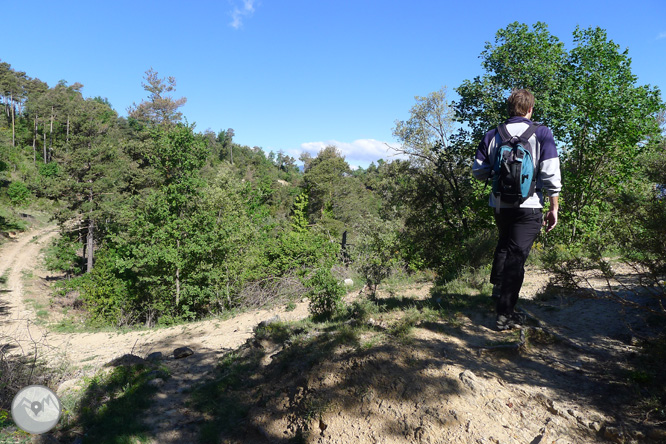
(550,221)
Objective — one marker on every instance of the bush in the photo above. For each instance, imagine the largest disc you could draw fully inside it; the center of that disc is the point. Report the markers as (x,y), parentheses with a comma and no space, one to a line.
(62,256)
(48,169)
(18,193)
(325,293)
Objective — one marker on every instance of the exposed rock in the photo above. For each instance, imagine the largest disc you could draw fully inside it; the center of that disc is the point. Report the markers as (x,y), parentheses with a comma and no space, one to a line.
(126,360)
(614,434)
(269,321)
(68,386)
(157,382)
(155,356)
(182,352)
(470,380)
(348,282)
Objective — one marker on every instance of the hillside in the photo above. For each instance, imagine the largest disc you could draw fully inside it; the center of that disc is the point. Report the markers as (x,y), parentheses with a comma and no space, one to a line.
(417,365)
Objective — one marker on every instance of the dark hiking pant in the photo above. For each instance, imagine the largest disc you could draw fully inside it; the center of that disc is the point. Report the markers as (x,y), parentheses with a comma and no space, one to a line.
(518,228)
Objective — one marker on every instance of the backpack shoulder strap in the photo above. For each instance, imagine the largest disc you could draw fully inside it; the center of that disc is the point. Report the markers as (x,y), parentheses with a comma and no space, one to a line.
(504,133)
(529,132)
(506,136)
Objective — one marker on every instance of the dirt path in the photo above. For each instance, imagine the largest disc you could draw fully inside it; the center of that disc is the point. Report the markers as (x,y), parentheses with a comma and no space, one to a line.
(18,256)
(92,350)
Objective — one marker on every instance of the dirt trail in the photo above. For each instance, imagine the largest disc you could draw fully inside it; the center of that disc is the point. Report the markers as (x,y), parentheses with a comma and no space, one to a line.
(19,256)
(92,350)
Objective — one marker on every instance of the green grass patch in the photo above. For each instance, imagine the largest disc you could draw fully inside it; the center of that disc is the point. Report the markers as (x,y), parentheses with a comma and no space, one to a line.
(112,406)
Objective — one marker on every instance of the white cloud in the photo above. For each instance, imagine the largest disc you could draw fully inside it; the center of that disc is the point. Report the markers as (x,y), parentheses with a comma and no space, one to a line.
(661,35)
(359,152)
(239,13)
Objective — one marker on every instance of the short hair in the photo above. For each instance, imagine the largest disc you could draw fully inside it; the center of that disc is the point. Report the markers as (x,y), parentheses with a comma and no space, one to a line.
(519,103)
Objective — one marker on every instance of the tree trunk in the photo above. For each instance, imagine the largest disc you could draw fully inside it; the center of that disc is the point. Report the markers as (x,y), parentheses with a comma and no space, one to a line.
(46,160)
(34,144)
(51,130)
(90,245)
(91,231)
(11,100)
(177,276)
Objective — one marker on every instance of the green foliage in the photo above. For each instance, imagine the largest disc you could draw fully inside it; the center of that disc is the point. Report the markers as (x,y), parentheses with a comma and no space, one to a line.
(433,192)
(325,293)
(10,222)
(109,409)
(18,193)
(105,295)
(62,255)
(588,96)
(299,220)
(49,170)
(376,252)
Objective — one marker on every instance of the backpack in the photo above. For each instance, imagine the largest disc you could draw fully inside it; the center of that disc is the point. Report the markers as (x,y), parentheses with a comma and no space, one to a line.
(514,176)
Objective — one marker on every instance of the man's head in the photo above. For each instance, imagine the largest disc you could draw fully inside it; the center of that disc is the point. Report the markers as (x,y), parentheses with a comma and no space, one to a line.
(520,103)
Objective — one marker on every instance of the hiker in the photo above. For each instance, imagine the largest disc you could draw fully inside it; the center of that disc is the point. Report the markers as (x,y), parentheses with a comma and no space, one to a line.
(517,196)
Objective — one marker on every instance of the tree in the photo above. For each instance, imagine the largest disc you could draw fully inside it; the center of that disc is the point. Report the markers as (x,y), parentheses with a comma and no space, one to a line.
(160,108)
(604,122)
(587,96)
(35,89)
(226,139)
(434,188)
(323,180)
(90,170)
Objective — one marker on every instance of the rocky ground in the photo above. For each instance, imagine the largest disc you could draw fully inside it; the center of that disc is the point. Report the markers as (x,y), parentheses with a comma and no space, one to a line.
(453,380)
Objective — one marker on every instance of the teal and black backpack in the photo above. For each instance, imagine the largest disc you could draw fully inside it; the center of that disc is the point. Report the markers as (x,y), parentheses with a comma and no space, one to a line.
(514,176)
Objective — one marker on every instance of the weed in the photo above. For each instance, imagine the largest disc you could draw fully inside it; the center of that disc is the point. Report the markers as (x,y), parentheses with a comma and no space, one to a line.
(110,407)
(5,276)
(373,341)
(539,336)
(27,274)
(347,335)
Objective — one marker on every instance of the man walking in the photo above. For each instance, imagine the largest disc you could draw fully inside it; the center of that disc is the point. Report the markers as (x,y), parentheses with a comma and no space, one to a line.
(518,221)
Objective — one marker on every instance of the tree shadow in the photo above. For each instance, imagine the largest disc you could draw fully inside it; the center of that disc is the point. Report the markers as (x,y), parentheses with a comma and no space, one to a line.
(289,381)
(112,405)
(285,398)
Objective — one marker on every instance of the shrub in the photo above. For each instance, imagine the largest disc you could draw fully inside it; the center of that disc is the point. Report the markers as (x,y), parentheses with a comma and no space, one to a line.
(18,193)
(325,293)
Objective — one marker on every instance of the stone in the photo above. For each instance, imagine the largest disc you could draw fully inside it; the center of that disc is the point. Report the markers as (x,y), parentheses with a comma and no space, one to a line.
(126,361)
(614,434)
(155,356)
(44,439)
(470,380)
(269,321)
(657,434)
(182,352)
(67,386)
(157,382)
(348,282)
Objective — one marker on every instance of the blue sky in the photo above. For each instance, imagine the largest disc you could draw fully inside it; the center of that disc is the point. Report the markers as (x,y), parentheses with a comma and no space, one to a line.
(297,75)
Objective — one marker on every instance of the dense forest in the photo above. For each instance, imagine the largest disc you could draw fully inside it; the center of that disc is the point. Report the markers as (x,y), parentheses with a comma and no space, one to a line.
(161,223)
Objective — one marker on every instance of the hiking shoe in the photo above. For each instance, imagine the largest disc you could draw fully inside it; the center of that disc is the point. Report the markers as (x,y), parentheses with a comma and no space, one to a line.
(507,322)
